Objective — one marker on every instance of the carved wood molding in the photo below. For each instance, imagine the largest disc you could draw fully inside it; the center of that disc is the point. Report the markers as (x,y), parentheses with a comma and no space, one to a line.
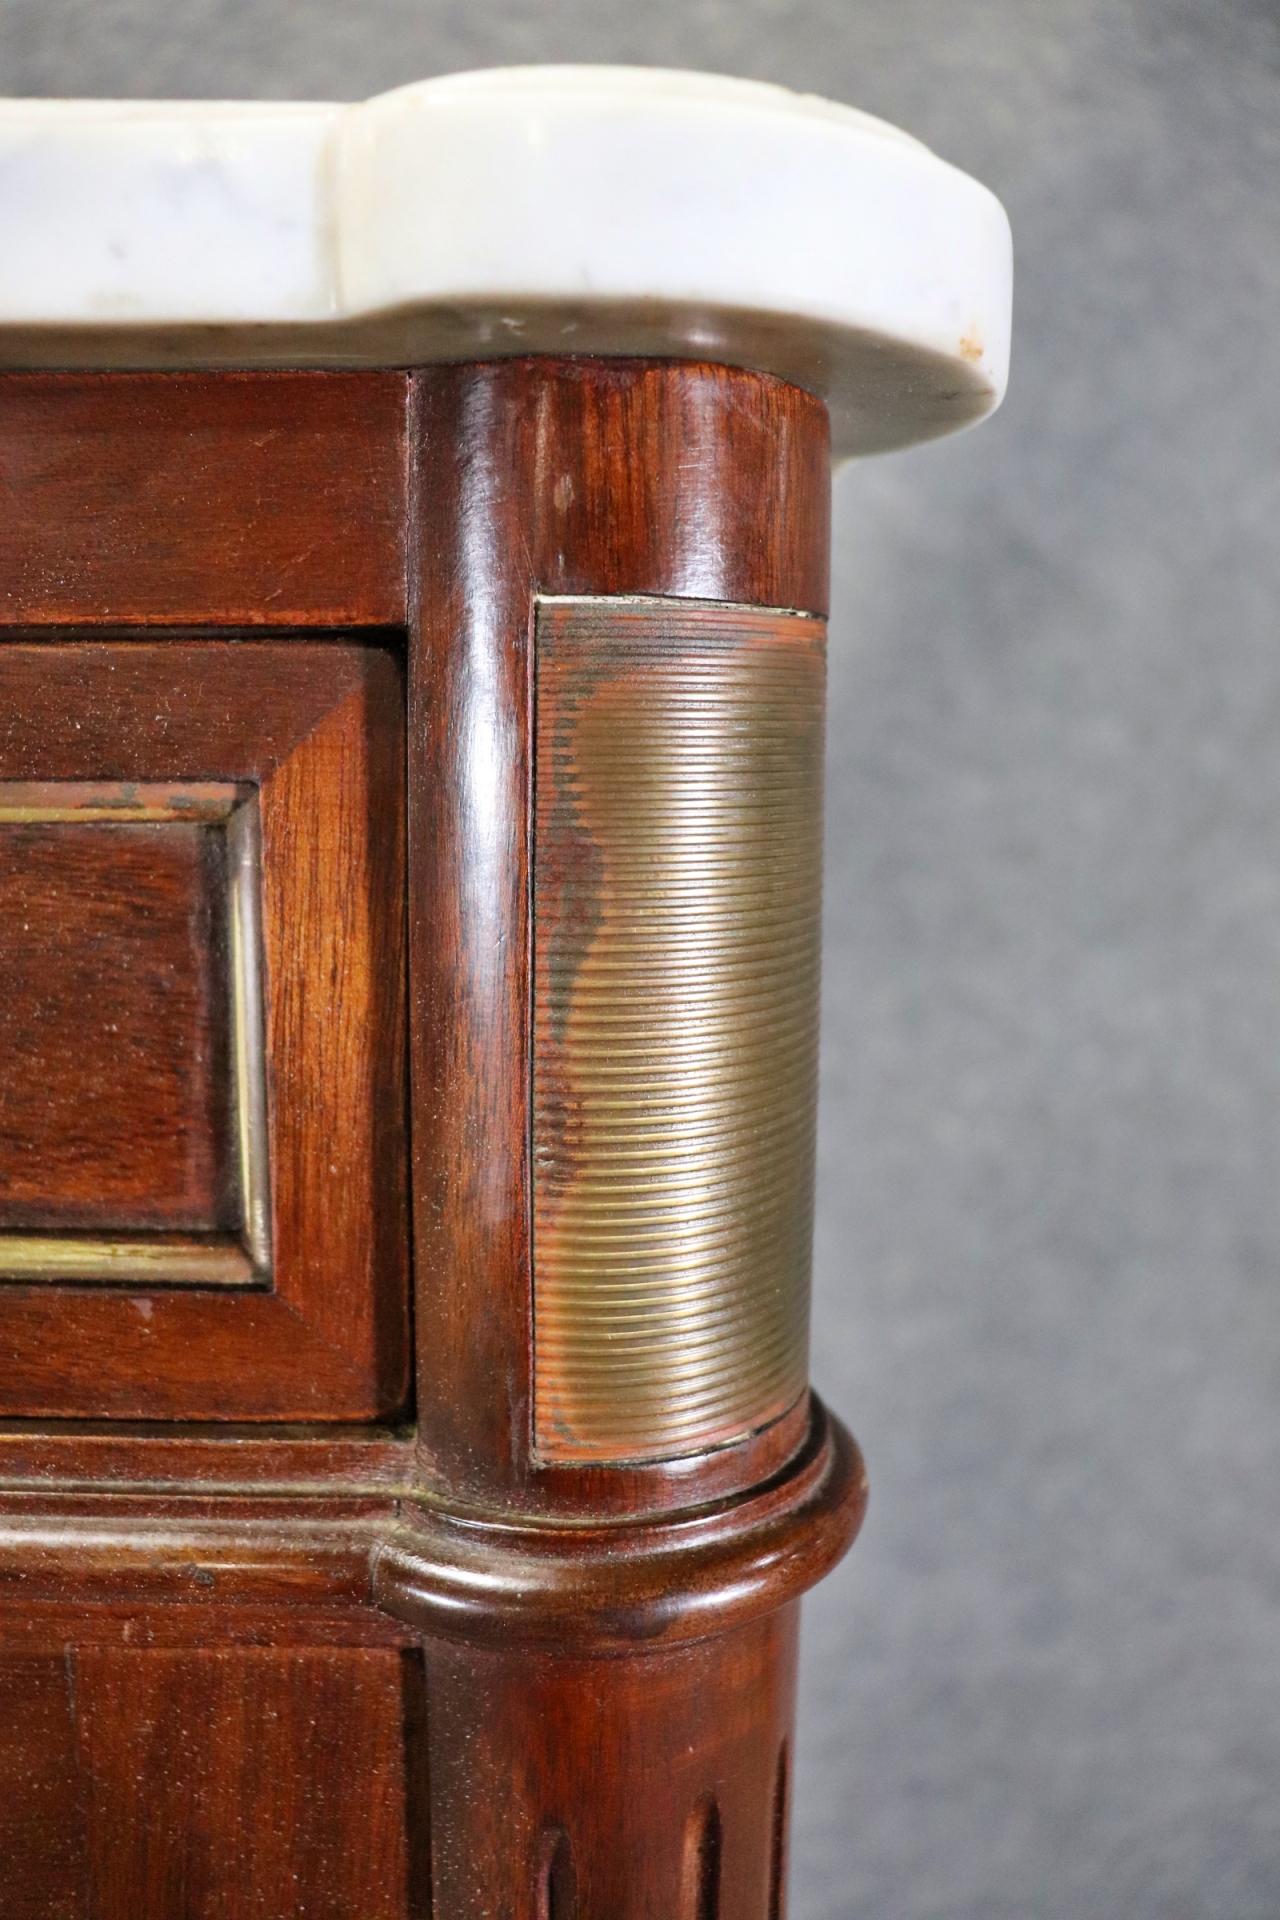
(444,1571)
(617,1585)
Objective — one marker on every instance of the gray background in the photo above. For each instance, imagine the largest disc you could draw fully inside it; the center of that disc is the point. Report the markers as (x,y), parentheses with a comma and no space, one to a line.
(1047,1682)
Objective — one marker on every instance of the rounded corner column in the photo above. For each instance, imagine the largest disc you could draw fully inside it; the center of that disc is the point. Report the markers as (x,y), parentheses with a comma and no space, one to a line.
(619,576)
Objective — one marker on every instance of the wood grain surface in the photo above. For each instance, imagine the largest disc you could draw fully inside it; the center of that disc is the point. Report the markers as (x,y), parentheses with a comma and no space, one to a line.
(253,1660)
(200,1784)
(115,1095)
(241,500)
(548,478)
(316,731)
(655,1786)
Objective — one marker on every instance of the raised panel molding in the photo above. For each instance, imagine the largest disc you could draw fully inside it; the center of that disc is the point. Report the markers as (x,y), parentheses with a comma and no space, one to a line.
(132,1151)
(202,1090)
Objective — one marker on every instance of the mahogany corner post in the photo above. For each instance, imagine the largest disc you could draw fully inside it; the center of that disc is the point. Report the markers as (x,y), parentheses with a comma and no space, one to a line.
(617,591)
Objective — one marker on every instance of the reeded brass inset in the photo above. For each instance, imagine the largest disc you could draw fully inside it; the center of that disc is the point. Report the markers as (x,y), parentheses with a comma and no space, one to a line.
(676,915)
(173,1259)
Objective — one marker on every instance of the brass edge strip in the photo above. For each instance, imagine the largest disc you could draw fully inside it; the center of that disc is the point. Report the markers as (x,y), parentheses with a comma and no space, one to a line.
(83,802)
(677,602)
(173,1259)
(244,867)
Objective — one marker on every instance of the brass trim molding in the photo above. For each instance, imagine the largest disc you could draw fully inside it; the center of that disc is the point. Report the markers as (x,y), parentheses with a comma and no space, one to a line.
(676,927)
(173,1259)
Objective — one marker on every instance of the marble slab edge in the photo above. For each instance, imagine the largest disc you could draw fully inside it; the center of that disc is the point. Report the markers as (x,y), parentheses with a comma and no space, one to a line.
(584,210)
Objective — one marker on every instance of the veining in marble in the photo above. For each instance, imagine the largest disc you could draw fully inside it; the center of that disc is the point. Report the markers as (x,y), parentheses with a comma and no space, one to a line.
(592,210)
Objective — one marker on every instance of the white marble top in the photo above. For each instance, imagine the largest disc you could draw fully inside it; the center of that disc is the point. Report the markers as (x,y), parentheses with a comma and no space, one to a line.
(564,209)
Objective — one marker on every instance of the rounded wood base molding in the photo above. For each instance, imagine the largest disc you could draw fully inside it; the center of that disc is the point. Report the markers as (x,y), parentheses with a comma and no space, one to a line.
(443,1572)
(620,1586)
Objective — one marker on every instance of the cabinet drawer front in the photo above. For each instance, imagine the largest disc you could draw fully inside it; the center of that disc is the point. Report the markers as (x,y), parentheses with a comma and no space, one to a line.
(202,1181)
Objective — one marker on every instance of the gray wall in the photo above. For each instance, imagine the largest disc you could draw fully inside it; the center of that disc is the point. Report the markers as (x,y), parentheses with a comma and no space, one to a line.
(1046,1685)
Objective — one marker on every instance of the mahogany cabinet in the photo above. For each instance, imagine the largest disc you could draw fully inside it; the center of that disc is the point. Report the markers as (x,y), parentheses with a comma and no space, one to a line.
(410,858)
(291,1626)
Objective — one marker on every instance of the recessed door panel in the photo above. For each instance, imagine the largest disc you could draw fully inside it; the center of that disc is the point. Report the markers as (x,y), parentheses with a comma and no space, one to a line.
(202,1180)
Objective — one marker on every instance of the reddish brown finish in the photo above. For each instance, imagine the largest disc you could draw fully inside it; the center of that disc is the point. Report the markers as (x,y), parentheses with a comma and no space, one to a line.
(114,1103)
(200,1784)
(605,1588)
(317,730)
(41,1803)
(244,500)
(614,1586)
(141,1549)
(222,1457)
(570,1783)
(547,477)
(294,1671)
(234,1750)
(586,1789)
